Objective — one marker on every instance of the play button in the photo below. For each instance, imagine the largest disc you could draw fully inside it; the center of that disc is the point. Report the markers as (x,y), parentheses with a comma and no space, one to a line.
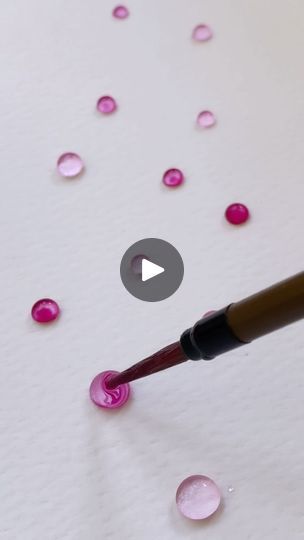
(152,269)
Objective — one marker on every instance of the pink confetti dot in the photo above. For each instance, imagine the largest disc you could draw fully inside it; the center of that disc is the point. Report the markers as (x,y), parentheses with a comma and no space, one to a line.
(70,165)
(45,310)
(173,178)
(120,12)
(202,32)
(105,397)
(198,497)
(106,105)
(206,119)
(237,213)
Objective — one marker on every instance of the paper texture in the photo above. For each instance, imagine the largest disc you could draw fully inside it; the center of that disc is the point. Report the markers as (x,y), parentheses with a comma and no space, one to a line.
(69,471)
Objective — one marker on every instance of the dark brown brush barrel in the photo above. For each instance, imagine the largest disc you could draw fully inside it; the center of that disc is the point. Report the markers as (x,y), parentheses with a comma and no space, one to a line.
(268,310)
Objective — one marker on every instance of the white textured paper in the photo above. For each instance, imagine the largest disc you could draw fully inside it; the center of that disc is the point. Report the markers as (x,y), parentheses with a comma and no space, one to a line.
(69,471)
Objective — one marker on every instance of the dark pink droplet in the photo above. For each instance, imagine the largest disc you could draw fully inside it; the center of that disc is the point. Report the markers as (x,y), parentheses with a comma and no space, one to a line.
(206,119)
(105,397)
(237,213)
(198,497)
(202,32)
(70,165)
(120,12)
(106,105)
(45,310)
(173,178)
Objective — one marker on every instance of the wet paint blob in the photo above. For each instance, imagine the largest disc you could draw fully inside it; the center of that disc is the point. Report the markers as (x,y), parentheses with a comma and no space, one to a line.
(237,213)
(120,12)
(45,310)
(70,165)
(106,105)
(105,397)
(198,497)
(173,178)
(202,32)
(206,119)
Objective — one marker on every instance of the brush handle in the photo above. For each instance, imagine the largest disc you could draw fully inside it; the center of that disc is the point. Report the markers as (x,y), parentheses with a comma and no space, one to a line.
(244,321)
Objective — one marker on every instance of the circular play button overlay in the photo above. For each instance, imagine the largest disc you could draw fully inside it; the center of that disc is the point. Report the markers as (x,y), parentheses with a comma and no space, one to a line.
(152,269)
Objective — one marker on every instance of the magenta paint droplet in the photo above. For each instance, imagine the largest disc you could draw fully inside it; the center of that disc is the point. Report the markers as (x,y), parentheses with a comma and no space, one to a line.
(173,178)
(45,310)
(206,119)
(198,497)
(106,105)
(103,396)
(237,213)
(202,32)
(120,12)
(70,165)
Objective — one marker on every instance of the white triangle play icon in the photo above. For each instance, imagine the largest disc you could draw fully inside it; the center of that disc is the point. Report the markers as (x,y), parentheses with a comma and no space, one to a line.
(150,270)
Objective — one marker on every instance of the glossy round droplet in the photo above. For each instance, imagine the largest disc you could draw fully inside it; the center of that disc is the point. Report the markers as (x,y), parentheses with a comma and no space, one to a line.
(45,310)
(136,264)
(70,165)
(120,12)
(106,105)
(237,213)
(173,178)
(202,32)
(198,497)
(103,396)
(206,119)
(230,489)
(209,313)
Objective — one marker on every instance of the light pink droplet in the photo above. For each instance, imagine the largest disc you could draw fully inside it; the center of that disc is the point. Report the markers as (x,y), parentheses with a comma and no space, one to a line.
(105,397)
(136,264)
(45,310)
(70,165)
(237,213)
(106,105)
(198,497)
(206,119)
(208,313)
(120,12)
(173,178)
(202,32)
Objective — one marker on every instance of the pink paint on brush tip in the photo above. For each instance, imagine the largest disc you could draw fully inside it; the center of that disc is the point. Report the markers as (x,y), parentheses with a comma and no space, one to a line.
(202,32)
(103,396)
(106,105)
(45,310)
(70,165)
(206,119)
(198,497)
(237,213)
(173,178)
(120,12)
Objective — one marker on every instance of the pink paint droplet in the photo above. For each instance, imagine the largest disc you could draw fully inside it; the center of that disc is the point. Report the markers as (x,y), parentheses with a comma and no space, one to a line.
(206,119)
(202,32)
(70,165)
(237,213)
(208,313)
(173,178)
(45,310)
(136,264)
(120,12)
(103,396)
(198,497)
(106,105)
